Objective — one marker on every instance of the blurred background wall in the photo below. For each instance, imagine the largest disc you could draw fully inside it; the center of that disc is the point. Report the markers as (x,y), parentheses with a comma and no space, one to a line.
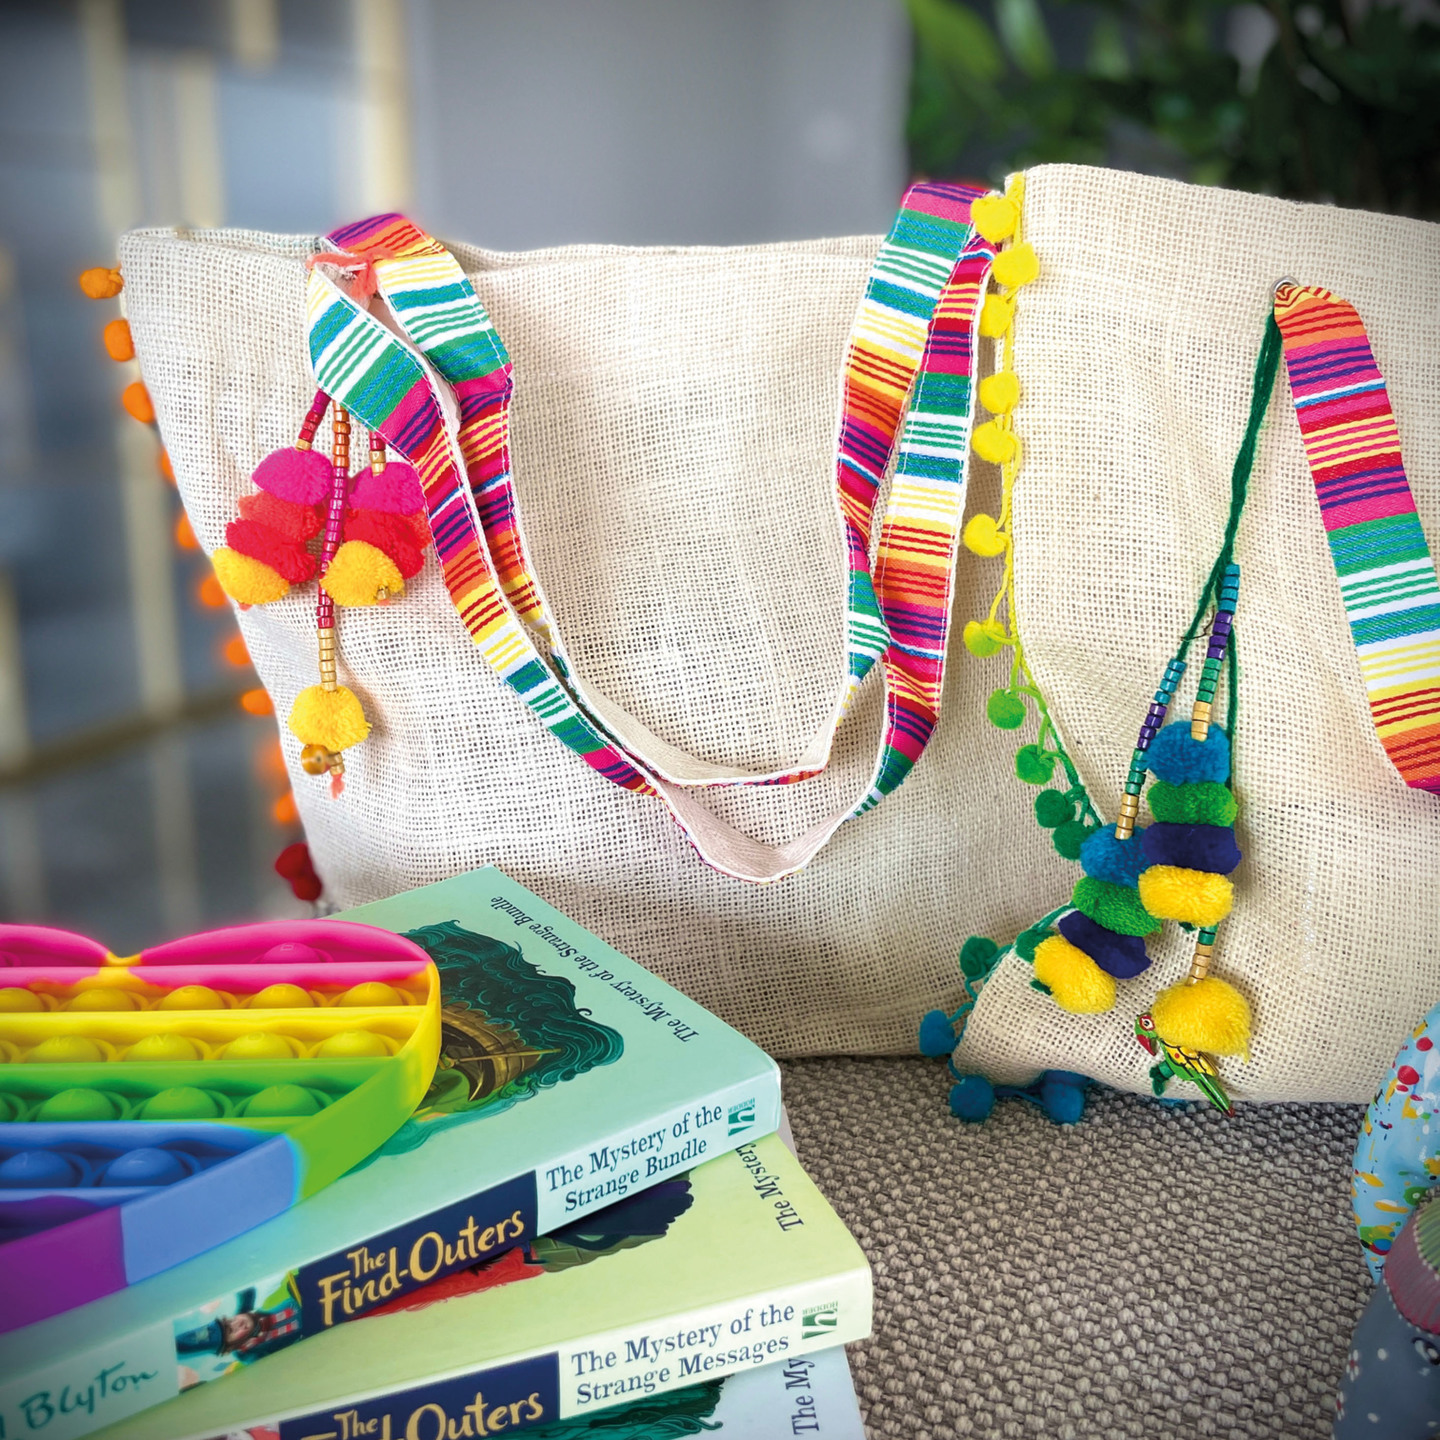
(141,793)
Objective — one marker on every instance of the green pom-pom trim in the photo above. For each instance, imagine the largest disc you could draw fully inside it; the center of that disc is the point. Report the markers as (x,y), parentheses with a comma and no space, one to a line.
(1033,765)
(1028,941)
(1206,802)
(1041,986)
(977,957)
(1053,807)
(1116,907)
(1070,836)
(1006,711)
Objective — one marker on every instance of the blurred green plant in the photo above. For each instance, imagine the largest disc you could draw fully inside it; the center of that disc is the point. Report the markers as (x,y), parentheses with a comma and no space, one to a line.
(1333,100)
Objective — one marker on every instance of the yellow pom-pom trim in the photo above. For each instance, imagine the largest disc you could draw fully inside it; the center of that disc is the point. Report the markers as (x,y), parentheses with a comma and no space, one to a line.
(994,217)
(332,718)
(982,536)
(1208,1015)
(358,574)
(1193,897)
(1076,982)
(248,581)
(1017,266)
(1000,393)
(992,443)
(984,637)
(995,316)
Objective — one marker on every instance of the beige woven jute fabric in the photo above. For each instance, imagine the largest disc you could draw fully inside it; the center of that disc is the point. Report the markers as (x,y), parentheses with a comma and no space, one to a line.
(674,429)
(1135,351)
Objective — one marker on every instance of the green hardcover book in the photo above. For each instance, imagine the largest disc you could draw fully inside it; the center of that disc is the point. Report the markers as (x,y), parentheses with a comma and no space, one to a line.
(570,1079)
(740,1263)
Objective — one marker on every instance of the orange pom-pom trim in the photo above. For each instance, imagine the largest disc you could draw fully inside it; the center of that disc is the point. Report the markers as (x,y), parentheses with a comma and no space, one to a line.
(101,283)
(119,345)
(137,402)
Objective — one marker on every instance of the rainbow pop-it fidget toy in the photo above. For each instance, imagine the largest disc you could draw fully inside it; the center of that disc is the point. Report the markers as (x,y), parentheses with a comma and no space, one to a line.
(155,1106)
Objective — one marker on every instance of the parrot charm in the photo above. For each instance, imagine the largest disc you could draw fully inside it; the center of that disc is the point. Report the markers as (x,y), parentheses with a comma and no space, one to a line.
(1178,1064)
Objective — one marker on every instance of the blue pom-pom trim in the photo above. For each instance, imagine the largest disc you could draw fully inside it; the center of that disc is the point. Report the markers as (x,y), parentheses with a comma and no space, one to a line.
(1180,759)
(937,1035)
(1193,847)
(1120,862)
(1122,956)
(972,1099)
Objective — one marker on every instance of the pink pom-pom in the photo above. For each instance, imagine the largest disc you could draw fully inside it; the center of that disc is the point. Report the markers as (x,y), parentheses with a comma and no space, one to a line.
(301,476)
(394,491)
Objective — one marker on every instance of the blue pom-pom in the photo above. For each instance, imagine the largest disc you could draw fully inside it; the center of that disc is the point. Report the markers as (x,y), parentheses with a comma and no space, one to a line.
(1180,759)
(937,1036)
(1123,956)
(1061,1098)
(972,1099)
(1119,862)
(1193,847)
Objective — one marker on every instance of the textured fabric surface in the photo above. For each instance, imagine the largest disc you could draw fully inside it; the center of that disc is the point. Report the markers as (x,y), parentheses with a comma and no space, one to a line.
(1135,350)
(1151,1271)
(674,427)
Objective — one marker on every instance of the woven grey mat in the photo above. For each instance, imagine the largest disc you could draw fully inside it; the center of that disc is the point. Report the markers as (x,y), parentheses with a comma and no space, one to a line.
(1151,1271)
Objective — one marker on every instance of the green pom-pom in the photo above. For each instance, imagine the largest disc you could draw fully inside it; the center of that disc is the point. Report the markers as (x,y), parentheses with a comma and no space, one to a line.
(1006,711)
(1034,765)
(1053,807)
(1116,907)
(977,957)
(1070,836)
(1206,802)
(1028,941)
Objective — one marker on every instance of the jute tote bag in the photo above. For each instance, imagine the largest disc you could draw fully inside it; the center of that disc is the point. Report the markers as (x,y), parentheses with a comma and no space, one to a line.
(673,439)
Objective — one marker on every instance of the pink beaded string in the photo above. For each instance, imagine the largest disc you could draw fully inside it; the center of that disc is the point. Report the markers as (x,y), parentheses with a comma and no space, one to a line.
(325,606)
(311,423)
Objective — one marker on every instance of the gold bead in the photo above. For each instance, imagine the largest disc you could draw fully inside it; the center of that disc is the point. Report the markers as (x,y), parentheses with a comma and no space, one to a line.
(1129,813)
(1200,720)
(315,759)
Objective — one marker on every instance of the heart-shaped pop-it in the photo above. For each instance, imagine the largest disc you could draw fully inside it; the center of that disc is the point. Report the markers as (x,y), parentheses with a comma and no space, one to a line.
(155,1106)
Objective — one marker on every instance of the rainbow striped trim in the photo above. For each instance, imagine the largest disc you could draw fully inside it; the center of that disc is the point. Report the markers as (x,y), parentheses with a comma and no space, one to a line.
(1387,578)
(915,336)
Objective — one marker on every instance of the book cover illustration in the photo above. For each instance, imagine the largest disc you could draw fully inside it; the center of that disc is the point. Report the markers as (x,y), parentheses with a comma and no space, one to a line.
(752,1267)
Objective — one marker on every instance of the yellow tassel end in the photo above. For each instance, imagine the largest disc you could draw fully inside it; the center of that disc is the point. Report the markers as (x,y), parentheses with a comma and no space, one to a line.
(992,443)
(248,581)
(994,217)
(332,718)
(982,536)
(995,316)
(1017,266)
(1076,982)
(1209,1015)
(361,574)
(1000,394)
(1193,897)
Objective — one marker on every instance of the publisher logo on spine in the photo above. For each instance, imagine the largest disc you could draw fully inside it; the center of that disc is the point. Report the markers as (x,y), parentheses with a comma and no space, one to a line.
(819,1320)
(742,1116)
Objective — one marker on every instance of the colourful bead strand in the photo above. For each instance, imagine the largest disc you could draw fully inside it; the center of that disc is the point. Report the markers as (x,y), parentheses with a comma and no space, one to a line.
(1154,719)
(325,607)
(312,420)
(377,453)
(1220,629)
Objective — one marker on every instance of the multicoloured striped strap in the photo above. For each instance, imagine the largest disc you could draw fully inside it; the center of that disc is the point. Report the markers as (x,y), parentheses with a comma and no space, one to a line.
(366,367)
(1387,578)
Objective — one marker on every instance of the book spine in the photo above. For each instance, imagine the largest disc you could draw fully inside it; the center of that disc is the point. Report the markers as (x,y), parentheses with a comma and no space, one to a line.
(109,1382)
(602,1371)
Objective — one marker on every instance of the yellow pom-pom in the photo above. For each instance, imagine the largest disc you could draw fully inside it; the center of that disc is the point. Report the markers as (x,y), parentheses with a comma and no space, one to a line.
(361,574)
(1076,982)
(1208,1015)
(1000,394)
(982,536)
(1193,897)
(995,316)
(1017,266)
(992,443)
(246,580)
(332,718)
(984,637)
(994,217)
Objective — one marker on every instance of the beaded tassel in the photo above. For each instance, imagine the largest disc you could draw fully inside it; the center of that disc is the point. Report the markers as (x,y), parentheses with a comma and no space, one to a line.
(327,718)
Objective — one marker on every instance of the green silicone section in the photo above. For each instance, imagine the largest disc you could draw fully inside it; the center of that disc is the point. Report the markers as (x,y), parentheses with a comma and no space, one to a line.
(1206,802)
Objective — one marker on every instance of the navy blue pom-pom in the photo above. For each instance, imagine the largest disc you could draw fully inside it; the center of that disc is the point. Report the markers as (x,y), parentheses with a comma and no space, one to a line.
(972,1099)
(1122,956)
(1119,862)
(937,1035)
(1193,847)
(1177,757)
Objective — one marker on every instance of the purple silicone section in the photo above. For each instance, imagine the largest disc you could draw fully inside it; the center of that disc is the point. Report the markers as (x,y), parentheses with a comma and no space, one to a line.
(43,945)
(60,1268)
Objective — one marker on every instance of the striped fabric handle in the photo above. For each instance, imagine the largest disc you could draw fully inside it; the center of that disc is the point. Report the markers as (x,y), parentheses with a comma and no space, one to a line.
(472,509)
(1387,578)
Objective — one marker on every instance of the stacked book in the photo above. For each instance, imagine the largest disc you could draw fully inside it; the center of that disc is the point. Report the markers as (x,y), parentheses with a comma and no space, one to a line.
(589,1224)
